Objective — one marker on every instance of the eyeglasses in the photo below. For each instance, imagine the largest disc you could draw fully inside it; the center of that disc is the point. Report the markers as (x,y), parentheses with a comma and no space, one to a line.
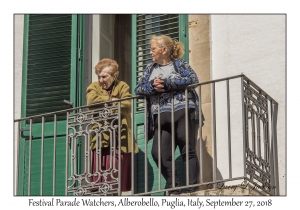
(154,48)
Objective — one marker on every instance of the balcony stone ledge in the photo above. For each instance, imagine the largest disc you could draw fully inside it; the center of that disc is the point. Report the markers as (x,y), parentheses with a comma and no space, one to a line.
(234,190)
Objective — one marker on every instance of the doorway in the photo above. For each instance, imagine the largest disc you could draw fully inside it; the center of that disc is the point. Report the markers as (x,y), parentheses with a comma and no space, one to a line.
(111,38)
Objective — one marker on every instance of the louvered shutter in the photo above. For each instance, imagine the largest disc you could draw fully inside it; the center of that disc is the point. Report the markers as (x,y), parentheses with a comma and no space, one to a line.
(49,73)
(143,27)
(48,63)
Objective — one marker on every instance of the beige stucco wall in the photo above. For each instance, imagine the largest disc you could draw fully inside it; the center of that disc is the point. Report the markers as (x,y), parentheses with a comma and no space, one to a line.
(18,55)
(199,59)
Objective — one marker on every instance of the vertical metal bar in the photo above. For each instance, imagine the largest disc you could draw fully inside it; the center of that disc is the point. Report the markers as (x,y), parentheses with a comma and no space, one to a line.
(187,136)
(229,129)
(214,135)
(67,154)
(17,146)
(259,119)
(146,141)
(265,130)
(159,143)
(113,151)
(87,154)
(30,154)
(243,124)
(173,138)
(74,155)
(132,146)
(275,154)
(269,129)
(273,161)
(97,152)
(272,155)
(200,136)
(258,135)
(42,155)
(54,156)
(246,124)
(119,148)
(247,139)
(253,131)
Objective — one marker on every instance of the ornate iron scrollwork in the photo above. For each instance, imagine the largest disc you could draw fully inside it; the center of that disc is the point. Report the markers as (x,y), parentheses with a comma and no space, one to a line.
(83,126)
(257,143)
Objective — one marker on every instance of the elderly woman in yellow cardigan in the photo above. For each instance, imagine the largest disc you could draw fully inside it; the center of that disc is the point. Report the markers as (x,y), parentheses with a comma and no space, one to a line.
(108,88)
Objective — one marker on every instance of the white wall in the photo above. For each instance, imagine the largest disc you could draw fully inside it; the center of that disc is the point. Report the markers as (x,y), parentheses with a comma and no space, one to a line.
(18,56)
(254,45)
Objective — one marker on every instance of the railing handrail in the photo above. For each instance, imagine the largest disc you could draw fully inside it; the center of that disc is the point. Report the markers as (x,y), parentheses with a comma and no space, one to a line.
(75,108)
(140,97)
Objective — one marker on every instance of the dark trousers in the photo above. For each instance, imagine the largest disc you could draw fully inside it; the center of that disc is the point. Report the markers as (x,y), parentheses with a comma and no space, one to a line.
(180,141)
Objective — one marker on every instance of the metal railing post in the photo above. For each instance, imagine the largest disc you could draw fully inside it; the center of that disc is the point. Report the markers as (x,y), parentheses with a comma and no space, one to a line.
(159,142)
(273,160)
(229,128)
(42,156)
(187,164)
(200,136)
(243,124)
(17,146)
(215,164)
(119,150)
(132,147)
(173,139)
(67,155)
(146,141)
(30,156)
(54,156)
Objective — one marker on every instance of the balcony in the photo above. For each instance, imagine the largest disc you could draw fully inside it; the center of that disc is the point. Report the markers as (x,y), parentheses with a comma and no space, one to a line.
(237,146)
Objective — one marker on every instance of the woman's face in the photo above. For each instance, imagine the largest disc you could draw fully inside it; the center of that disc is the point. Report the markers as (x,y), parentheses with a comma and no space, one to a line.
(156,52)
(105,79)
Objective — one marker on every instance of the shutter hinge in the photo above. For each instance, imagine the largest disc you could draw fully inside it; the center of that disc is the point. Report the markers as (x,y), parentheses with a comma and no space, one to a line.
(80,54)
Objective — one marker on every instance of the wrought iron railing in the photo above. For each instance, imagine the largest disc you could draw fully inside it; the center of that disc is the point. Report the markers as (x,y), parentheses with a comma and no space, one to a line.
(55,158)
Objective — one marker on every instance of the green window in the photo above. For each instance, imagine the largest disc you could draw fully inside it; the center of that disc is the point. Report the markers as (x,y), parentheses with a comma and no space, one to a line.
(143,26)
(51,74)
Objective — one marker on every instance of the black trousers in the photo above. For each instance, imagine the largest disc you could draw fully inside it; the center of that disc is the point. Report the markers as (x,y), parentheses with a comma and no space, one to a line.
(180,141)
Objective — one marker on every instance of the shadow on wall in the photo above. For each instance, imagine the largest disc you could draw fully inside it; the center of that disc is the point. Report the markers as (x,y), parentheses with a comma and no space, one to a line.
(207,166)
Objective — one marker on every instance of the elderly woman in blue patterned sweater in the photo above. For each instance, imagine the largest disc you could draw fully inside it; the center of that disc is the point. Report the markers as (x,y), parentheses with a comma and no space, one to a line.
(169,72)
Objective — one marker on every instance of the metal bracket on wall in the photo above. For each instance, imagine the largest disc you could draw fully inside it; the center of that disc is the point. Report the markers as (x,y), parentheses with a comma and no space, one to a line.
(22,133)
(68,102)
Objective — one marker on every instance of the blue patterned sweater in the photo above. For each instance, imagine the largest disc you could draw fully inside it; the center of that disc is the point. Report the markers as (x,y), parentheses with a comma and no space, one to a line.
(182,76)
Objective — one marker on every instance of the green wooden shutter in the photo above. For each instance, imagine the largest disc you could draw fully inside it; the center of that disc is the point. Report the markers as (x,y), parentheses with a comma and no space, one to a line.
(48,63)
(143,26)
(50,72)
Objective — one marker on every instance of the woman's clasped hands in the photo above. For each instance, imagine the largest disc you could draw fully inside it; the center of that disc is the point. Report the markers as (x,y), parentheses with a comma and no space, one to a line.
(158,84)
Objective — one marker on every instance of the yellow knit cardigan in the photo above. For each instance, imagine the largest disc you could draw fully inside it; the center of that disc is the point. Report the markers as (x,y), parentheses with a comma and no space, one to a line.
(95,94)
